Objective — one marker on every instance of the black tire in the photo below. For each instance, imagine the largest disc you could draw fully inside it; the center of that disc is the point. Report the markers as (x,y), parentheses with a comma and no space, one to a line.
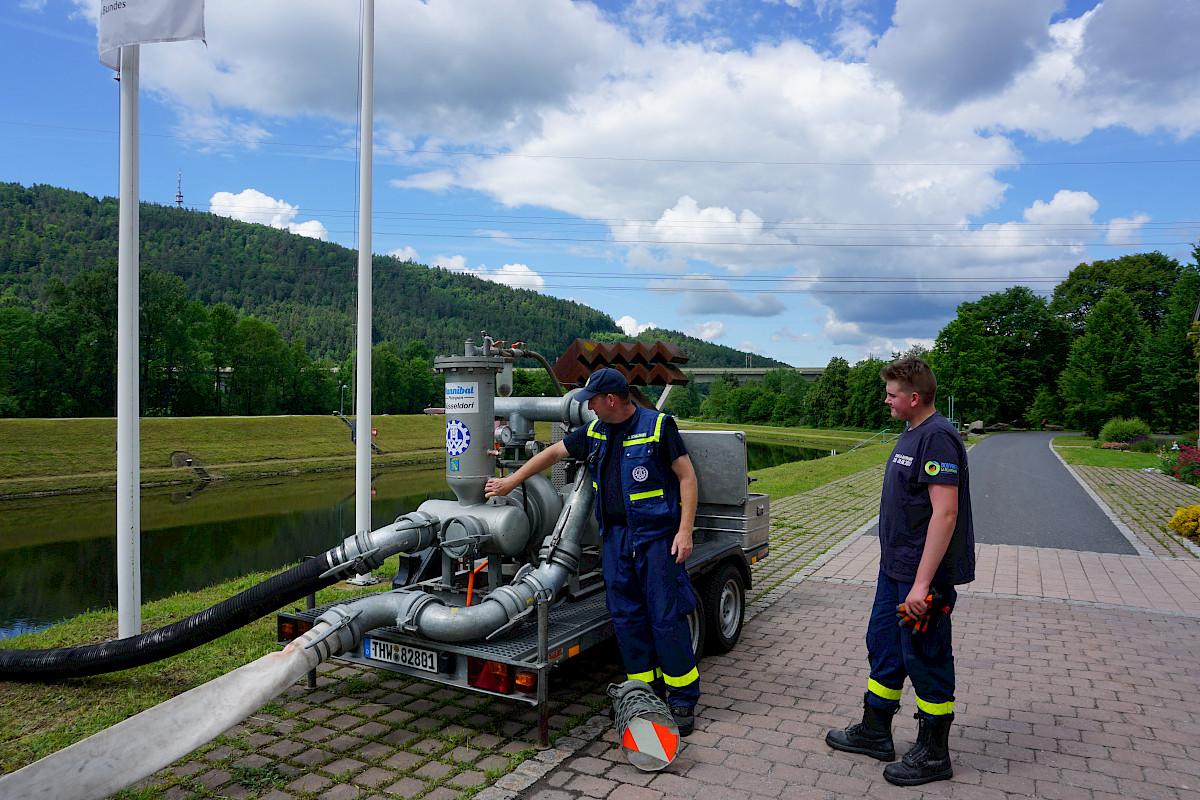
(697,624)
(725,608)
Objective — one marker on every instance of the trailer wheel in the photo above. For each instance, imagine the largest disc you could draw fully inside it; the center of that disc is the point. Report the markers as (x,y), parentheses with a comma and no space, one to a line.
(696,625)
(725,608)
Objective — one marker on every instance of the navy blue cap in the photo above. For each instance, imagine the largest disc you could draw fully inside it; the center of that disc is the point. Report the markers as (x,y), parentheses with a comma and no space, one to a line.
(602,381)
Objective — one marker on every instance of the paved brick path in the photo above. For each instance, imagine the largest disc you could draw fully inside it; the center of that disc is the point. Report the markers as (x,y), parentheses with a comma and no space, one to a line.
(1077,672)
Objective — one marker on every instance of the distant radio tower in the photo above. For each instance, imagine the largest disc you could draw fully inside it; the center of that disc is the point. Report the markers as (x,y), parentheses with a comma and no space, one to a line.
(179,191)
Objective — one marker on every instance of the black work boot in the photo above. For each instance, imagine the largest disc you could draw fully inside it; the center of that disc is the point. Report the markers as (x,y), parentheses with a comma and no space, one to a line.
(871,737)
(929,758)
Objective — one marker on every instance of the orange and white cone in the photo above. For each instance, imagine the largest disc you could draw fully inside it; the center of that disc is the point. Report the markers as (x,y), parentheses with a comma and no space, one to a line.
(644,724)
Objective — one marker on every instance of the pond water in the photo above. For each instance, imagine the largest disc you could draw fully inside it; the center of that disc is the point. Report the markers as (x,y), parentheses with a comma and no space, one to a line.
(58,554)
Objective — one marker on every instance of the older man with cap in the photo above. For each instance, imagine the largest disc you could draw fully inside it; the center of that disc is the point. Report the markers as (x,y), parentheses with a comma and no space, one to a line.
(646,504)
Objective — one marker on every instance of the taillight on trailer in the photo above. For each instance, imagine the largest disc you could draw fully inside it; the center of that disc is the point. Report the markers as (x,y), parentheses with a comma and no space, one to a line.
(489,675)
(290,629)
(526,682)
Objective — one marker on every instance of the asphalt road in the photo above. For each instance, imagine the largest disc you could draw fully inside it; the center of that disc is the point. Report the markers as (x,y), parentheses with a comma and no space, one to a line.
(1022,495)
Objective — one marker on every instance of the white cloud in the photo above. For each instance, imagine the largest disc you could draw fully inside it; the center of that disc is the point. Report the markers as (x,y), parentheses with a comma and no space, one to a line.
(251,205)
(785,334)
(1144,48)
(1126,230)
(405,254)
(708,331)
(451,263)
(632,327)
(713,162)
(517,276)
(943,52)
(441,69)
(702,294)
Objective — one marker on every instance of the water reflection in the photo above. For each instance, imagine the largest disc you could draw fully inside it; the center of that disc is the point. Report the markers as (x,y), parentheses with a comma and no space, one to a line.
(58,555)
(761,456)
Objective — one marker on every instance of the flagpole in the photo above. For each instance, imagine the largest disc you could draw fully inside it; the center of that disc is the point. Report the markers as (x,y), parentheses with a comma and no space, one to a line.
(129,558)
(362,393)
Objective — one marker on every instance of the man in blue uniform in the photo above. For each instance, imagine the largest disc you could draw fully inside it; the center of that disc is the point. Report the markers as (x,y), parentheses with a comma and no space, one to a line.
(646,494)
(927,546)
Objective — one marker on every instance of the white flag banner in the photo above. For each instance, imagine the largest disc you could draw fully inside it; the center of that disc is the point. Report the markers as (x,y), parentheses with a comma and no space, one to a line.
(127,22)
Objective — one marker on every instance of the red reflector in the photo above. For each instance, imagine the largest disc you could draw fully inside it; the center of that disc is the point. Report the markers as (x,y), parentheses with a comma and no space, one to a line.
(489,675)
(291,629)
(526,682)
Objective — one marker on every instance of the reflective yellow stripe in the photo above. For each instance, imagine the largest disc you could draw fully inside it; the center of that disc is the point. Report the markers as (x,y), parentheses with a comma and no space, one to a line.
(879,690)
(683,680)
(936,709)
(651,437)
(591,431)
(648,677)
(644,495)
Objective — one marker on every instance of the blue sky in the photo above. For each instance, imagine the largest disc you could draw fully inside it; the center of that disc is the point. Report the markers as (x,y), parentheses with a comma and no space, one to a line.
(794,178)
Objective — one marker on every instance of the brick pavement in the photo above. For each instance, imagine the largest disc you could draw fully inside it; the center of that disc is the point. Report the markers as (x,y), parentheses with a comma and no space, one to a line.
(1069,689)
(1077,671)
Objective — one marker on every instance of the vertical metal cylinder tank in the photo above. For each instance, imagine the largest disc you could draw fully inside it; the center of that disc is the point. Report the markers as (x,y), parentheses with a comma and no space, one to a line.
(470,418)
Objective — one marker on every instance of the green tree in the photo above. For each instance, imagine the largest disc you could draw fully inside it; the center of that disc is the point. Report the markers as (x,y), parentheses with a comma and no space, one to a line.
(826,402)
(1170,364)
(714,406)
(1103,375)
(684,401)
(220,342)
(1145,278)
(965,363)
(865,407)
(1030,345)
(254,385)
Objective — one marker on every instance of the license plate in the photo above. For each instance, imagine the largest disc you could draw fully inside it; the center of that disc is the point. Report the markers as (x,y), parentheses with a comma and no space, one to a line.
(405,656)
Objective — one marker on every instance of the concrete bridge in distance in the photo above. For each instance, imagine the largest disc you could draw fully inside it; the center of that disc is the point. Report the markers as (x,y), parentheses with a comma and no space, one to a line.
(710,374)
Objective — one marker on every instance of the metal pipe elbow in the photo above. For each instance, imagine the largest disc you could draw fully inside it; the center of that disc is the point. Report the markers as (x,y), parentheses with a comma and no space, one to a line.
(366,550)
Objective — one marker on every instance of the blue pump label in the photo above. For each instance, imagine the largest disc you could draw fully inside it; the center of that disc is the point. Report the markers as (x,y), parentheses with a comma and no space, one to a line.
(458,437)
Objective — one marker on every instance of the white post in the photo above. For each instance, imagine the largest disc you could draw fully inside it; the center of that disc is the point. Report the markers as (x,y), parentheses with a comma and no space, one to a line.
(129,557)
(362,394)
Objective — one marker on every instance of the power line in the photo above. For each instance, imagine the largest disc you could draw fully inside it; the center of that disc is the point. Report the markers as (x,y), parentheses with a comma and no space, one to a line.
(630,159)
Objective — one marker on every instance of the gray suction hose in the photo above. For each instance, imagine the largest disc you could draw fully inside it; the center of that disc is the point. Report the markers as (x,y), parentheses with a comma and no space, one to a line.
(117,757)
(428,616)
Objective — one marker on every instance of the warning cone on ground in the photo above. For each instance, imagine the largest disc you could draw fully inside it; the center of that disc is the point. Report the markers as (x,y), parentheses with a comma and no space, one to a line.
(644,725)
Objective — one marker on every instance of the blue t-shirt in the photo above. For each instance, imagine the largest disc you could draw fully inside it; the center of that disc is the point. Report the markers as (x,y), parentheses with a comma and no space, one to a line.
(932,452)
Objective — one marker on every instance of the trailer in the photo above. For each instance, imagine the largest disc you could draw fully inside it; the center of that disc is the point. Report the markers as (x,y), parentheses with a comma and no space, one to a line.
(476,558)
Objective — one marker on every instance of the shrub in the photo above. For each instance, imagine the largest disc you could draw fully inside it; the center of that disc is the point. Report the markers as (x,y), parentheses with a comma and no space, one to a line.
(1186,521)
(1114,446)
(1186,466)
(1120,429)
(1142,444)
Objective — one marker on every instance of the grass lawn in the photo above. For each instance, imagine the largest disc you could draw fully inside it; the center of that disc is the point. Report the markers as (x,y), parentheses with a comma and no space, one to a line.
(1095,457)
(38,455)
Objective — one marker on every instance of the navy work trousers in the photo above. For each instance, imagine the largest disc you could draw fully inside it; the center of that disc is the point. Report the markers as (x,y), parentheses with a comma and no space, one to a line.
(927,658)
(649,597)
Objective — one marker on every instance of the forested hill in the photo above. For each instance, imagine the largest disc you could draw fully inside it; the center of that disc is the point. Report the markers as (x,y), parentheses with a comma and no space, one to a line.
(305,287)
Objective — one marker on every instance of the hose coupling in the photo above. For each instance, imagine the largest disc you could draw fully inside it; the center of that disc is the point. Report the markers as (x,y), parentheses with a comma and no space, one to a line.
(341,630)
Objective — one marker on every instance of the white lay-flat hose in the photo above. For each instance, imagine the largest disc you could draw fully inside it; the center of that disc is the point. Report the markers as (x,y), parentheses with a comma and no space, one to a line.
(117,757)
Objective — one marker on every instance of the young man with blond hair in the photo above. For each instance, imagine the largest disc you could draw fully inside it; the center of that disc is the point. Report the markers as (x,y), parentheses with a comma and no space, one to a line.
(927,547)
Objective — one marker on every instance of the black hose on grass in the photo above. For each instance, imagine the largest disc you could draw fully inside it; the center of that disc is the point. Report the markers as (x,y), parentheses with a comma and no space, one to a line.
(96,659)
